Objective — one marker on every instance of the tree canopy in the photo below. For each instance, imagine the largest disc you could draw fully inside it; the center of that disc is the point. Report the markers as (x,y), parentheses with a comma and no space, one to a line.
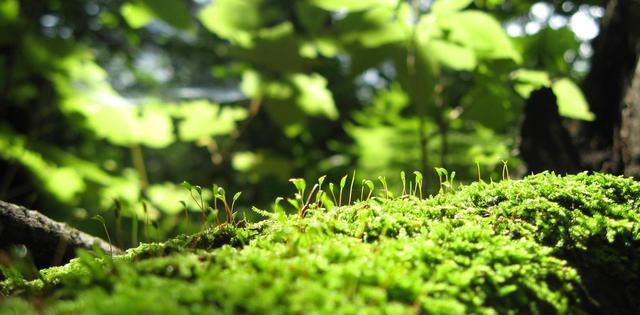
(111,104)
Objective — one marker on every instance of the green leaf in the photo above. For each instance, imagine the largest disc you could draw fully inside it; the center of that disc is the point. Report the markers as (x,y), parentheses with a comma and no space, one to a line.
(314,98)
(108,114)
(299,183)
(419,177)
(233,20)
(251,84)
(277,49)
(490,104)
(451,55)
(352,5)
(343,181)
(9,10)
(369,184)
(236,196)
(481,32)
(136,15)
(321,180)
(376,27)
(64,183)
(221,194)
(447,6)
(170,198)
(174,12)
(203,119)
(571,101)
(153,128)
(526,81)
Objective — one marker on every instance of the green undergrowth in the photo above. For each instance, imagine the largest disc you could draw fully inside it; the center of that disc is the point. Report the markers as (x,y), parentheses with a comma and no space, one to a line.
(542,245)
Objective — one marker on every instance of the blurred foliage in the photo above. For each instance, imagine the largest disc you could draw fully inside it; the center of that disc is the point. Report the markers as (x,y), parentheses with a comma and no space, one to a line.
(119,100)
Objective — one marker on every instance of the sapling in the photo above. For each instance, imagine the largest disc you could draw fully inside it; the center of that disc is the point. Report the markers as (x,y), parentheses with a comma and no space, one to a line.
(353,177)
(233,201)
(331,189)
(277,207)
(343,182)
(371,185)
(419,181)
(305,207)
(505,170)
(214,188)
(221,194)
(320,191)
(451,178)
(443,174)
(100,219)
(301,186)
(383,180)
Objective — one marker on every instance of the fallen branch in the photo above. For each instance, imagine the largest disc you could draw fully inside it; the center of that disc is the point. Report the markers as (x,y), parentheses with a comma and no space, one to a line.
(50,242)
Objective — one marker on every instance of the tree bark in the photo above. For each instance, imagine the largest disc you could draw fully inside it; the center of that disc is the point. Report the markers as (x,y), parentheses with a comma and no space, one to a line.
(609,90)
(549,147)
(630,129)
(50,242)
(611,143)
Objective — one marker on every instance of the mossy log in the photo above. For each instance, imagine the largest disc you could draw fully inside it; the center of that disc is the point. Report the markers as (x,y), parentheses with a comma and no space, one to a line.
(50,242)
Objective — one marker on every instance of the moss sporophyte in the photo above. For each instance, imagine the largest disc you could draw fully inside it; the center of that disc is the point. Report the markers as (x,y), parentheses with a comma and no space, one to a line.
(542,245)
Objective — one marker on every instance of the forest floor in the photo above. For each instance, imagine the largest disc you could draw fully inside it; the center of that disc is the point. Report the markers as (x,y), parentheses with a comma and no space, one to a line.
(545,244)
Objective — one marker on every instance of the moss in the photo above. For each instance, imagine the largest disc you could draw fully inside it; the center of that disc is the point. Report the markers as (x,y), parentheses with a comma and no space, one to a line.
(544,244)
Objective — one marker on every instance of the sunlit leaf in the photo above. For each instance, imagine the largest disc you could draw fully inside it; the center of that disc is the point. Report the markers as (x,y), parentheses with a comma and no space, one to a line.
(204,119)
(64,183)
(154,128)
(314,98)
(376,27)
(233,20)
(526,81)
(571,101)
(480,32)
(136,15)
(172,199)
(445,6)
(251,84)
(125,188)
(9,10)
(351,5)
(244,161)
(108,114)
(452,55)
(299,183)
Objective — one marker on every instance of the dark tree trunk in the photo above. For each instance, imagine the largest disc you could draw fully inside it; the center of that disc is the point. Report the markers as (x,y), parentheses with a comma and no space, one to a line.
(609,90)
(546,146)
(50,242)
(630,128)
(611,143)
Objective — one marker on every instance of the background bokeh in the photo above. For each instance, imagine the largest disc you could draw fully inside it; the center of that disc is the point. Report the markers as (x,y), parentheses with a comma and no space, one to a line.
(119,102)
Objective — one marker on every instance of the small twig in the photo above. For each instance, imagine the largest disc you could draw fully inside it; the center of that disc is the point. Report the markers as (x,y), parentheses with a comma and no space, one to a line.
(303,210)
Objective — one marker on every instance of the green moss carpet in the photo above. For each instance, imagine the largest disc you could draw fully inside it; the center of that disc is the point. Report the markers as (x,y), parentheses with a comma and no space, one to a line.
(542,245)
